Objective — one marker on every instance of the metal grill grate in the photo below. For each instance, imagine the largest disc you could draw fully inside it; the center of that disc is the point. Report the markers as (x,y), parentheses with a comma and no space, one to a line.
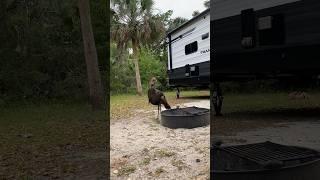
(194,110)
(268,151)
(186,111)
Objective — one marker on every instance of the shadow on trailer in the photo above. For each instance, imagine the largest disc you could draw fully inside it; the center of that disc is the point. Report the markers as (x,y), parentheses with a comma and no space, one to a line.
(258,39)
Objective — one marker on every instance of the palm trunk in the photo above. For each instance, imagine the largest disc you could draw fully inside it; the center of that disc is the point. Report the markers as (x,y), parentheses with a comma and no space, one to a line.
(136,65)
(96,96)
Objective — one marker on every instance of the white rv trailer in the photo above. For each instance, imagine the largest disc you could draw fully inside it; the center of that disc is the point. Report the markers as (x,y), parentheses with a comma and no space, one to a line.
(189,53)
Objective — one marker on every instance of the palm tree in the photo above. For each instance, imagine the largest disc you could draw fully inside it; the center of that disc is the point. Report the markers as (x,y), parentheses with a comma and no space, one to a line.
(195,13)
(176,22)
(134,23)
(207,3)
(94,79)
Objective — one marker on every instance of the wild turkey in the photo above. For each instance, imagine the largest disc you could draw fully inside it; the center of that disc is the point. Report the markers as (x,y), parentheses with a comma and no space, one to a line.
(156,97)
(298,95)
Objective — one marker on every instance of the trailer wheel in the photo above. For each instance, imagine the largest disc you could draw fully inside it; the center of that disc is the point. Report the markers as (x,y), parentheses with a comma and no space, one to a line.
(217,99)
(178,93)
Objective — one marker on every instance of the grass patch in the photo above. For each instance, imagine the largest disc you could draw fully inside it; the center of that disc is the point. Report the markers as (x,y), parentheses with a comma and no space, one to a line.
(242,112)
(159,171)
(146,161)
(124,106)
(161,153)
(265,101)
(40,135)
(178,163)
(127,170)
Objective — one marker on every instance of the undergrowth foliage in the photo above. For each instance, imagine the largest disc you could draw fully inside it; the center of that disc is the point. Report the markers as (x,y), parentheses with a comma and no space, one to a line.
(123,76)
(41,49)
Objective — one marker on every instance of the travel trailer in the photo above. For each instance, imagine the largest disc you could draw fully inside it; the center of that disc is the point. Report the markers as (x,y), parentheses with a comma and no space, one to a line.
(189,53)
(259,39)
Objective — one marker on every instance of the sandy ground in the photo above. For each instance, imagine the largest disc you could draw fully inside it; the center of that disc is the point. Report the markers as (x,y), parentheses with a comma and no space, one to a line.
(143,149)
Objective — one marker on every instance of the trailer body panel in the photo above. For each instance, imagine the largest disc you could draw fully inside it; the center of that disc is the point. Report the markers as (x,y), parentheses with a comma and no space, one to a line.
(284,40)
(189,53)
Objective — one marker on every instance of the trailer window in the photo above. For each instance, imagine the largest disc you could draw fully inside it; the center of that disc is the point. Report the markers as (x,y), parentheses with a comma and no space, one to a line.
(191,48)
(205,36)
(271,30)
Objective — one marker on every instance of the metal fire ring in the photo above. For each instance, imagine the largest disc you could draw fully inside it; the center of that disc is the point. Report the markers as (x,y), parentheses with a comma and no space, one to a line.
(190,117)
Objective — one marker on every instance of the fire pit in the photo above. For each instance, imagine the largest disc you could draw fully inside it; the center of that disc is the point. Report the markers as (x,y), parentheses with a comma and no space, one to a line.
(190,117)
(264,161)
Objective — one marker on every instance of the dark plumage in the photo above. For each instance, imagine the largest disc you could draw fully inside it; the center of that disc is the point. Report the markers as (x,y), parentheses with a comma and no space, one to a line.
(156,97)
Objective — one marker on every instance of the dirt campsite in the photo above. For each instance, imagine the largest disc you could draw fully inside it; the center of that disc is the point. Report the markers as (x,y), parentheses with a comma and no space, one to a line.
(276,117)
(140,148)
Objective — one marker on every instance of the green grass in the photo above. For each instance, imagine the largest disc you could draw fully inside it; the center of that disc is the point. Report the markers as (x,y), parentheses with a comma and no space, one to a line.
(123,106)
(162,153)
(242,112)
(127,170)
(146,161)
(35,137)
(159,171)
(42,121)
(267,101)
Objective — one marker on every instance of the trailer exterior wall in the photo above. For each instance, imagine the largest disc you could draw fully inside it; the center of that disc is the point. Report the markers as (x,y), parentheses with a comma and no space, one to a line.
(298,55)
(177,77)
(196,29)
(178,59)
(227,8)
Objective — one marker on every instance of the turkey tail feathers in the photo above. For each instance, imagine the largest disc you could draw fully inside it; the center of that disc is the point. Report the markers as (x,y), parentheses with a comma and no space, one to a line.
(167,106)
(165,103)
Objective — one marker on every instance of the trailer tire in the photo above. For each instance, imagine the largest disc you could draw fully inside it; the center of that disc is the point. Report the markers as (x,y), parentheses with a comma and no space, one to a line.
(217,99)
(178,93)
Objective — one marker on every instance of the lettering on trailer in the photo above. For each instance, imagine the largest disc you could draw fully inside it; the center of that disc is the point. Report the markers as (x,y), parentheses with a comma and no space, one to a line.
(205,51)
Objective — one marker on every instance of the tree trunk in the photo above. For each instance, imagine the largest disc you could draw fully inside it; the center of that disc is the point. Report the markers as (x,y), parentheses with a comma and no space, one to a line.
(135,47)
(96,95)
